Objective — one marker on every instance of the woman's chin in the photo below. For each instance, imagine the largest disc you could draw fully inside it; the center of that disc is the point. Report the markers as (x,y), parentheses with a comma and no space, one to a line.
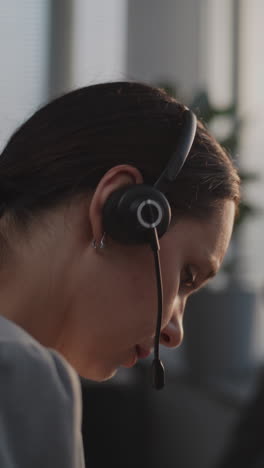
(97,375)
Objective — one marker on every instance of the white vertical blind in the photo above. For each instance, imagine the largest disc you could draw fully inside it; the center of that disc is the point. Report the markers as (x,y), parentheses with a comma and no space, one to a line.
(99,41)
(217,50)
(23,59)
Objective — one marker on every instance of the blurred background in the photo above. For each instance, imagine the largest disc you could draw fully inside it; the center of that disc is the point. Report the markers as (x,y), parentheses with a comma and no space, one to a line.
(208,53)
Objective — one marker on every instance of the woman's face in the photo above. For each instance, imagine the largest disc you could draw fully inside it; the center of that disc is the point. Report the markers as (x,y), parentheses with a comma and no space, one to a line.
(112,316)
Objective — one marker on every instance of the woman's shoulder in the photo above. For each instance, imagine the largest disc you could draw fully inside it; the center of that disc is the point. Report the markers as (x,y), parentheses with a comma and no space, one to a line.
(41,406)
(26,363)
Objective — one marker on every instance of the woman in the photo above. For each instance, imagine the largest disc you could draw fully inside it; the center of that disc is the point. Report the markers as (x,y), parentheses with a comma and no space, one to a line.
(68,305)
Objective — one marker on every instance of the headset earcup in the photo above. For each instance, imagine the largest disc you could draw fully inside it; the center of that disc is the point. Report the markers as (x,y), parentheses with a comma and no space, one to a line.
(120,213)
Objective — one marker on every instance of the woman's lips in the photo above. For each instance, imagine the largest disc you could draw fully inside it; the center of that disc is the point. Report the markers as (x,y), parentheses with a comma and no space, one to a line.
(140,353)
(132,361)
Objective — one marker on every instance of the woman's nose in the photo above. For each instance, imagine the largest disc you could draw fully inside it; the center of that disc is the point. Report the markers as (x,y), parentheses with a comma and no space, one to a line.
(171,335)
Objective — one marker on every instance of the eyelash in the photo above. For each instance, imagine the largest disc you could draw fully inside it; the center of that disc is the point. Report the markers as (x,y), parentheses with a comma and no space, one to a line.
(189,281)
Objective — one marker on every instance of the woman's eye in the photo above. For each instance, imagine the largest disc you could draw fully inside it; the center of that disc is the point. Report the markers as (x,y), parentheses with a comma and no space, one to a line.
(188,279)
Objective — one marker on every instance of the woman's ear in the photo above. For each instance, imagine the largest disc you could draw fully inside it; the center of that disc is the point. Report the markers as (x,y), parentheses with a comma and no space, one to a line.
(115,178)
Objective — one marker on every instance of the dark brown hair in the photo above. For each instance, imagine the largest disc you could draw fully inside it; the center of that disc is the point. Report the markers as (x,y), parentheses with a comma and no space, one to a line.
(66,146)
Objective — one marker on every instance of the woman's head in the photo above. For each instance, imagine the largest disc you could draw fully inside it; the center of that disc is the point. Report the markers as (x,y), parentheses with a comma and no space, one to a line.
(67,159)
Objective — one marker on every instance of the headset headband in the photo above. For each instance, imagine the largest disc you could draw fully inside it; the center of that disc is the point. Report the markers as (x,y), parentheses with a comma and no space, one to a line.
(180,153)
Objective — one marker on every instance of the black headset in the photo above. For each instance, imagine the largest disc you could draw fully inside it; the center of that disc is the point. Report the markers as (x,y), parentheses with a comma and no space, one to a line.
(141,214)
